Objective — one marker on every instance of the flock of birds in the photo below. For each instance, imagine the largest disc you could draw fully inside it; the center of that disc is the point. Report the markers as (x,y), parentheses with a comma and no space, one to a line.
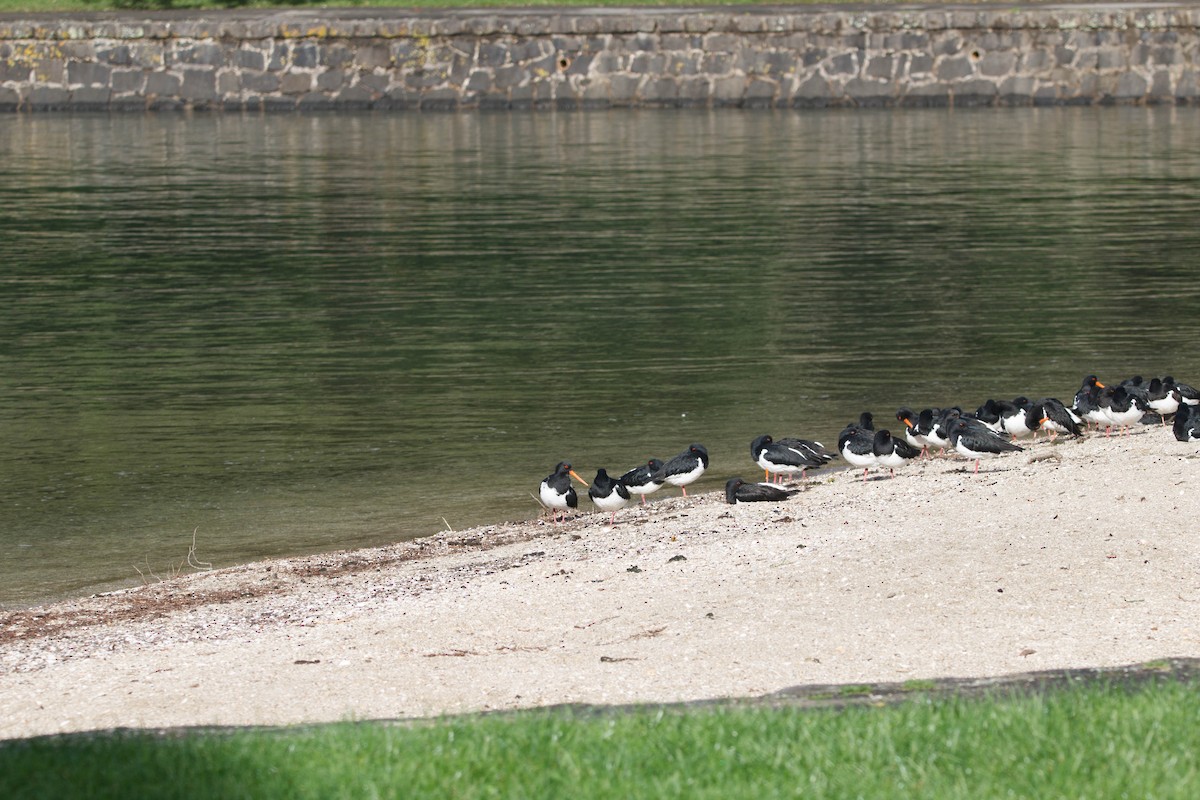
(992,429)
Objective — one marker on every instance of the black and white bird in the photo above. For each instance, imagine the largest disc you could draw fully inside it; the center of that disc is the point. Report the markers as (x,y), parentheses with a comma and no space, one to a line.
(640,480)
(556,491)
(891,452)
(684,468)
(1163,400)
(1188,394)
(989,414)
(1015,419)
(608,494)
(788,456)
(1121,408)
(912,431)
(738,491)
(1055,417)
(857,446)
(978,442)
(1187,424)
(1087,402)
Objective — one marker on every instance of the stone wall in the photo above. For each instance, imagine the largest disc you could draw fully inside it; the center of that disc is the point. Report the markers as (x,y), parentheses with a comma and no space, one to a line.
(706,56)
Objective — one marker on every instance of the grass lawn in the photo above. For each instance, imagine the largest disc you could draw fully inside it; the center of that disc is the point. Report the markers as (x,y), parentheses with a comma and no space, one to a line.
(1093,742)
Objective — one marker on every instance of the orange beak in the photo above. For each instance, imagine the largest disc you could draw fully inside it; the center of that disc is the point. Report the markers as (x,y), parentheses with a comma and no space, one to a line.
(1043,421)
(1101,385)
(575,475)
(908,422)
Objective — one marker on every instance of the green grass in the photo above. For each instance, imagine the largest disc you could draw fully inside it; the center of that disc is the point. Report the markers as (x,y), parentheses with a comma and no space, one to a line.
(1089,742)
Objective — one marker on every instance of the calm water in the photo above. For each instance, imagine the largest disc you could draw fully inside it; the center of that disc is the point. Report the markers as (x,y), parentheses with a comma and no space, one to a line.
(296,334)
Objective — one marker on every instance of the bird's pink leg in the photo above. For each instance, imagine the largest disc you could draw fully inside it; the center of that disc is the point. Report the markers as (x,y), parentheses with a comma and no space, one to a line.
(977,466)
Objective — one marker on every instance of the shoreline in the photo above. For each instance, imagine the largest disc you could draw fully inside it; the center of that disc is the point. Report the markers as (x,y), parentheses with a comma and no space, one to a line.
(1070,555)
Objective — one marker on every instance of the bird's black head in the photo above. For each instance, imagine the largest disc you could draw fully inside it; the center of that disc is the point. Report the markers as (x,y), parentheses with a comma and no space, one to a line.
(654,464)
(866,421)
(731,487)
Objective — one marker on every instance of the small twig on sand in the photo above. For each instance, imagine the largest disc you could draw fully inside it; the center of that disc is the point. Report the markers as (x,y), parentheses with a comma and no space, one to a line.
(447,525)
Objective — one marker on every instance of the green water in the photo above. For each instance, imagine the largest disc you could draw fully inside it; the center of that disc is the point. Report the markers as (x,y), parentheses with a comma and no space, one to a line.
(304,333)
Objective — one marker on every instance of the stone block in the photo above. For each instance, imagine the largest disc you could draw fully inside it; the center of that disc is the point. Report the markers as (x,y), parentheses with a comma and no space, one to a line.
(48,98)
(1111,58)
(91,98)
(128,80)
(491,54)
(162,83)
(954,68)
(372,81)
(229,82)
(480,80)
(1187,88)
(10,99)
(1130,86)
(1160,87)
(88,73)
(373,56)
(244,58)
(729,90)
(1018,86)
(331,80)
(844,64)
(260,82)
(116,56)
(198,85)
(206,54)
(998,63)
(1035,61)
(336,56)
(305,55)
(867,91)
(975,93)
(16,73)
(659,91)
(296,83)
(621,90)
(921,64)
(880,67)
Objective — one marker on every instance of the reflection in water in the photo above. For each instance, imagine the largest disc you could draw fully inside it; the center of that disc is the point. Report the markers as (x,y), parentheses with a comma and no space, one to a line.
(317,332)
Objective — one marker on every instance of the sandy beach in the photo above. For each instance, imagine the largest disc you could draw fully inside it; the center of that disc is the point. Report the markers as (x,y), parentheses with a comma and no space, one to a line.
(1075,554)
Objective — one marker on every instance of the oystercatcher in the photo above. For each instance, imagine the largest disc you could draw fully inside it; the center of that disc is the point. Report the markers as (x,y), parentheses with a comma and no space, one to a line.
(891,452)
(788,456)
(1086,405)
(1055,417)
(640,480)
(977,441)
(684,468)
(857,446)
(556,491)
(1163,400)
(738,491)
(1015,418)
(1187,394)
(912,433)
(1187,424)
(989,414)
(608,494)
(1121,408)
(926,422)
